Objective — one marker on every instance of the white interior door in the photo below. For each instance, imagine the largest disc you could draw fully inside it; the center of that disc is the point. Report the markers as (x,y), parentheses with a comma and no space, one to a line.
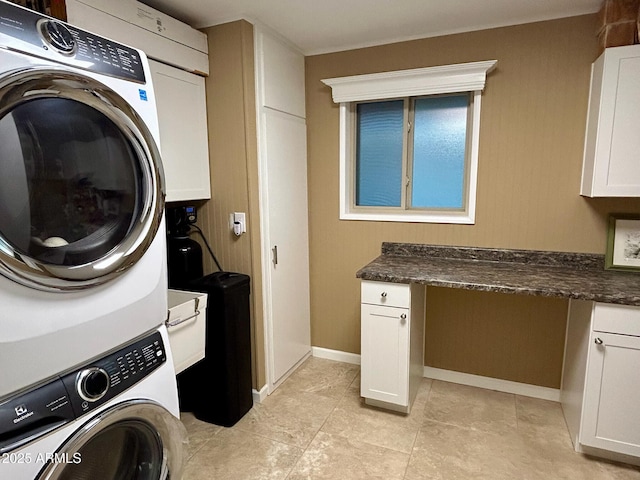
(286,170)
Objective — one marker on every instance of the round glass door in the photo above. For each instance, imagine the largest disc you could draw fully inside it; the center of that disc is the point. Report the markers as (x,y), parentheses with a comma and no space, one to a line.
(136,440)
(81,193)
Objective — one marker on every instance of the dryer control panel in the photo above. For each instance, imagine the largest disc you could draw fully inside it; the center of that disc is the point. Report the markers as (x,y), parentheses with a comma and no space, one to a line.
(100,381)
(25,30)
(35,413)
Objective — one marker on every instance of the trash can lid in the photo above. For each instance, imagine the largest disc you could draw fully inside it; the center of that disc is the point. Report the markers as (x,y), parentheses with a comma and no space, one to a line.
(222,280)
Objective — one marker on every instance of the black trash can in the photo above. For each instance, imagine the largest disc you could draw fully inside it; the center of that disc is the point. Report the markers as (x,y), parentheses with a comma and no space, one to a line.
(218,388)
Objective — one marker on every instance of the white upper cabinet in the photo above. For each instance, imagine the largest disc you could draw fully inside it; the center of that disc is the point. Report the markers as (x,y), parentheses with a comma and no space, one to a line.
(283,88)
(184,143)
(138,25)
(611,165)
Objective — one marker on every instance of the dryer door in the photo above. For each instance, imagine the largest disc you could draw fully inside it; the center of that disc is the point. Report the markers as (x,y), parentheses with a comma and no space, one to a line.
(135,440)
(81,189)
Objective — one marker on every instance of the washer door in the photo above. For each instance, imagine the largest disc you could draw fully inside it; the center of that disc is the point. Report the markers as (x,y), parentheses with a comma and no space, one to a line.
(81,189)
(135,440)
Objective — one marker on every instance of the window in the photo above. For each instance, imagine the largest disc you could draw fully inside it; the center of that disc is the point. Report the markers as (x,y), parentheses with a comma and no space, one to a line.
(409,143)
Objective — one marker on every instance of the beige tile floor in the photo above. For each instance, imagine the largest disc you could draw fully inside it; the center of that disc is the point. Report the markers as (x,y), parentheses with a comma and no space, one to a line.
(316,426)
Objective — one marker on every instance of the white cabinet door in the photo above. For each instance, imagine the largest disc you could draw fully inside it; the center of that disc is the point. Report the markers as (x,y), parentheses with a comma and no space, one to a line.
(611,167)
(285,151)
(385,354)
(283,69)
(611,415)
(184,143)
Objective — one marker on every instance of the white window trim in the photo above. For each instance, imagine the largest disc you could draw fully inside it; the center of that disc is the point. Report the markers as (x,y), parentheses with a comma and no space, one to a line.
(465,77)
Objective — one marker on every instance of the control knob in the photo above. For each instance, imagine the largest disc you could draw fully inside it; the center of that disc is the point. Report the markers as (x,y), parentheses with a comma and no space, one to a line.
(58,36)
(92,384)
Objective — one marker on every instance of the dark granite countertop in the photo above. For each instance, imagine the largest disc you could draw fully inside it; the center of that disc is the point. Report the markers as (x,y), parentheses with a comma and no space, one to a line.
(550,274)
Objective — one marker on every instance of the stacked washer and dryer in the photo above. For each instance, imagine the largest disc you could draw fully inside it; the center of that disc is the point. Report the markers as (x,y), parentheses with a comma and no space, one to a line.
(87,383)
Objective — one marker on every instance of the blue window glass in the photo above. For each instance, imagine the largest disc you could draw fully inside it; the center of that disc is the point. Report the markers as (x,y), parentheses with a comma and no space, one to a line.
(439,144)
(379,154)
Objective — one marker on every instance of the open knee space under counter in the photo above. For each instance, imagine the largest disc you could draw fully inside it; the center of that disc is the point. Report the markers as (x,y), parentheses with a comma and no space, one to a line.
(604,315)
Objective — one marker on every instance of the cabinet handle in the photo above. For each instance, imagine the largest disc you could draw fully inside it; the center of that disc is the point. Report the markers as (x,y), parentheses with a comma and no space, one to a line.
(598,341)
(383,294)
(275,255)
(403,316)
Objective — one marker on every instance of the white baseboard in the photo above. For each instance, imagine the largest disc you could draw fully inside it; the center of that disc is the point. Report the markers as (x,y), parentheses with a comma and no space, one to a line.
(489,383)
(616,457)
(497,384)
(260,395)
(336,355)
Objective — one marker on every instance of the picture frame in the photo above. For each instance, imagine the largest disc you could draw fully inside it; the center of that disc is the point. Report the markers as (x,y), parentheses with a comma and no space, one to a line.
(623,243)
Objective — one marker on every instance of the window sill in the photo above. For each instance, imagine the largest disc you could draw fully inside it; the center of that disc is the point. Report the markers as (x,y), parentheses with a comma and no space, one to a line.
(463,218)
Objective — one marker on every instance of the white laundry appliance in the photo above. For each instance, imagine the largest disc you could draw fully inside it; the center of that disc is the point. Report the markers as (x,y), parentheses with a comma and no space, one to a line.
(87,382)
(82,237)
(111,419)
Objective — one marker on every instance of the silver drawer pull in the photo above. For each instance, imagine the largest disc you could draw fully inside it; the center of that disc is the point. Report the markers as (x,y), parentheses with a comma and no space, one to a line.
(598,341)
(383,294)
(196,312)
(182,320)
(403,316)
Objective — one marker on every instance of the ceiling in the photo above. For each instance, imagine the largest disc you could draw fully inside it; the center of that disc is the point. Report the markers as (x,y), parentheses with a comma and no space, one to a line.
(321,26)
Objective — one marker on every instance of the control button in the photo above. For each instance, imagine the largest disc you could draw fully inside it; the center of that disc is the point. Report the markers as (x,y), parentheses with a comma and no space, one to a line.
(92,384)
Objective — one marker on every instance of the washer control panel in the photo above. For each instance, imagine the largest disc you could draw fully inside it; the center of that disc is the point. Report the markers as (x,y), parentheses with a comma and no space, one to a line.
(36,34)
(32,414)
(29,416)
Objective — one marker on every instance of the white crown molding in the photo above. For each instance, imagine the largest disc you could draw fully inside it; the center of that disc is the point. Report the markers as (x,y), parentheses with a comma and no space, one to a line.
(462,77)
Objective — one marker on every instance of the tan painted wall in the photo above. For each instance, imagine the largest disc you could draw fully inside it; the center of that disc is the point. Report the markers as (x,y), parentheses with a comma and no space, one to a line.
(512,337)
(234,171)
(532,132)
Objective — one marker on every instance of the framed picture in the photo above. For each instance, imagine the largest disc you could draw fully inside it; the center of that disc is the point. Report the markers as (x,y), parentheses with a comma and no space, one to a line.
(623,243)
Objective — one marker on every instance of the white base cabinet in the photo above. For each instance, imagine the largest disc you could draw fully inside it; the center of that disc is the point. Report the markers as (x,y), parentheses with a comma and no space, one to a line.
(601,381)
(392,344)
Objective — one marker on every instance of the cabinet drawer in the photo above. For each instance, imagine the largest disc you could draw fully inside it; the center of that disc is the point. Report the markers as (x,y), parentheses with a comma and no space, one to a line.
(389,294)
(621,319)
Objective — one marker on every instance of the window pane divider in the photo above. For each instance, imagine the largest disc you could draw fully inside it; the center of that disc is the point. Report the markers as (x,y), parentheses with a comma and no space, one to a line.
(405,150)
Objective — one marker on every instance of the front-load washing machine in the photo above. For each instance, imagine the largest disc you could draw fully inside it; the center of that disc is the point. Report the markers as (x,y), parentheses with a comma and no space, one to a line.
(114,418)
(82,240)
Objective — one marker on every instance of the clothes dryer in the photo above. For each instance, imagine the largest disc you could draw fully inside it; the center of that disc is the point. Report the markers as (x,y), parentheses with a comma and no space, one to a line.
(82,240)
